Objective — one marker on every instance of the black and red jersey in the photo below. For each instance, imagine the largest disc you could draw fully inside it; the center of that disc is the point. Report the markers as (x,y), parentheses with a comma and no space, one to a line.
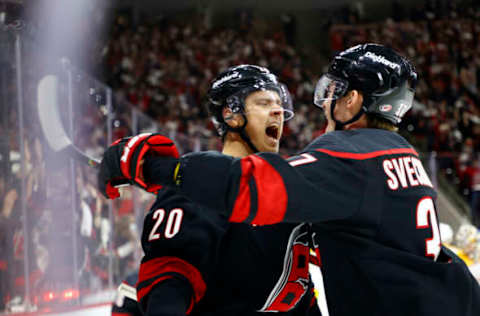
(372,207)
(197,263)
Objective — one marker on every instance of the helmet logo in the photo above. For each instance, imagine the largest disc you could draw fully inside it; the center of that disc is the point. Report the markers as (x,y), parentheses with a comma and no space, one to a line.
(224,79)
(382,60)
(385,108)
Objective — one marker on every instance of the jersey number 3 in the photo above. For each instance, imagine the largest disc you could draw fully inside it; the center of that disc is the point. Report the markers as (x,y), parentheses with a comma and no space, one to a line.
(427,218)
(172,227)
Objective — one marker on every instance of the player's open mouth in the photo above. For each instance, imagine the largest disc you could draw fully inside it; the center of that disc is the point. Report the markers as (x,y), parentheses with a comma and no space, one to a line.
(273,131)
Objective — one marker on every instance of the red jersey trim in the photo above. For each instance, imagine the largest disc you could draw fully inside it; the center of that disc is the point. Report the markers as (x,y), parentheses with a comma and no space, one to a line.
(158,266)
(272,205)
(373,154)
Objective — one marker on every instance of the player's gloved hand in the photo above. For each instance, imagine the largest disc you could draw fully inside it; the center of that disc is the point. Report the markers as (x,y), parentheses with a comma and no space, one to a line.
(122,162)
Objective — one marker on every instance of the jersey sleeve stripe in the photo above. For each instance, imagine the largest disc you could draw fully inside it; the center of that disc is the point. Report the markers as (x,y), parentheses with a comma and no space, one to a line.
(273,196)
(242,205)
(158,267)
(370,155)
(269,186)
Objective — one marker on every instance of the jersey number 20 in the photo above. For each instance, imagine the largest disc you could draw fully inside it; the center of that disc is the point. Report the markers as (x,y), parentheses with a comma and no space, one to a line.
(172,227)
(426,212)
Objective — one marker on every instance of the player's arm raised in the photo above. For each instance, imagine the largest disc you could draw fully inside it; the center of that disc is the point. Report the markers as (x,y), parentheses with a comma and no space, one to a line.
(259,189)
(265,188)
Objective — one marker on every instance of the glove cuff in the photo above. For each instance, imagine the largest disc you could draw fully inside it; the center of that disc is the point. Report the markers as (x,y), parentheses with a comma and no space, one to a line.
(111,191)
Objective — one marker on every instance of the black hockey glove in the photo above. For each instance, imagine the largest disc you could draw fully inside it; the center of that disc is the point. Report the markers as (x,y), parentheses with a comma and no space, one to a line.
(122,162)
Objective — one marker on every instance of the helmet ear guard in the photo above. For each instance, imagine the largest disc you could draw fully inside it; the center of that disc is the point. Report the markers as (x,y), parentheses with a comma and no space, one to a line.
(234,103)
(394,105)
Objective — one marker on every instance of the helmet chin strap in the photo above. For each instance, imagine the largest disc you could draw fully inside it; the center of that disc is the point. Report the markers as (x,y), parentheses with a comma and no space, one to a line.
(241,131)
(339,126)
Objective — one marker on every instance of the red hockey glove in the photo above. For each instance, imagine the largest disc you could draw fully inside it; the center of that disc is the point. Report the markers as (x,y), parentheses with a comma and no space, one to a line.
(122,162)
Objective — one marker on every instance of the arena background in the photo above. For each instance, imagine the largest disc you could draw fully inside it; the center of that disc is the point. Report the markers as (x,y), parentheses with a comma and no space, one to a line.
(126,67)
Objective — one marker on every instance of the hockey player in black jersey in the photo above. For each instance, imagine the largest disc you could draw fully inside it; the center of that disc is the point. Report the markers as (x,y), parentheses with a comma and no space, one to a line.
(199,264)
(362,186)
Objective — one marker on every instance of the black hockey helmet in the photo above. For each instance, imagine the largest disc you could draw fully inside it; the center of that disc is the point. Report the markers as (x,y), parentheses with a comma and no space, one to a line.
(232,86)
(386,80)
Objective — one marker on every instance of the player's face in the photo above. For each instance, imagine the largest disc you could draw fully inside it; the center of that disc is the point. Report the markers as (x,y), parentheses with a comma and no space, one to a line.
(345,108)
(264,113)
(340,112)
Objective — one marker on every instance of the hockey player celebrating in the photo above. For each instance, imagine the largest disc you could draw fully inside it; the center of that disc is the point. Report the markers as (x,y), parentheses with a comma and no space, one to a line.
(362,186)
(195,261)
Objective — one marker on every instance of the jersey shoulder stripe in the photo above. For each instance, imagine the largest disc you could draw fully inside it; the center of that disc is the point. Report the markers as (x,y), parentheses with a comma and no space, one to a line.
(361,144)
(156,270)
(368,155)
